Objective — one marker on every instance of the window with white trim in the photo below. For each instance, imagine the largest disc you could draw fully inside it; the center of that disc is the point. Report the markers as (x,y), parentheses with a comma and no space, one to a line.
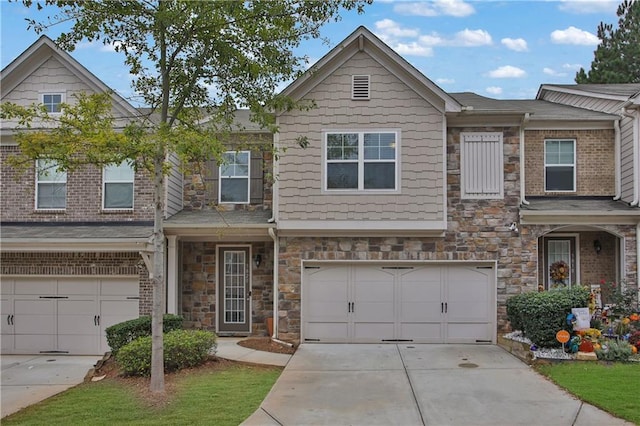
(52,101)
(117,186)
(235,177)
(560,165)
(361,161)
(481,165)
(51,186)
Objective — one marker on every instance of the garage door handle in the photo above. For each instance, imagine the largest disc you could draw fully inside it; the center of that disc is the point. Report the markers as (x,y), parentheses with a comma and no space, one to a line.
(9,319)
(446,307)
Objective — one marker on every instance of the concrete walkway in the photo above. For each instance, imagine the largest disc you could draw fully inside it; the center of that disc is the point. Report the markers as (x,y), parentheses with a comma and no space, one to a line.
(413,384)
(228,348)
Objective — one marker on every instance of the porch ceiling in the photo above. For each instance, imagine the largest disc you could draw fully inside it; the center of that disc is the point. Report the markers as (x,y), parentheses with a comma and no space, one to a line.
(578,210)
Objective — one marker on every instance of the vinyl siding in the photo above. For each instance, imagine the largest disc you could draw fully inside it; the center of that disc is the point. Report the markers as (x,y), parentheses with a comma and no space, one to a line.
(586,102)
(393,105)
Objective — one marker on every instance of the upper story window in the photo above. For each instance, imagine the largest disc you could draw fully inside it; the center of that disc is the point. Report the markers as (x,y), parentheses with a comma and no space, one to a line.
(117,186)
(361,161)
(52,101)
(481,165)
(560,165)
(51,186)
(235,177)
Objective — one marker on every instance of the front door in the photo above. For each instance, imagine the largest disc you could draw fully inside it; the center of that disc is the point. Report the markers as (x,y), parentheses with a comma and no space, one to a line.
(560,249)
(234,295)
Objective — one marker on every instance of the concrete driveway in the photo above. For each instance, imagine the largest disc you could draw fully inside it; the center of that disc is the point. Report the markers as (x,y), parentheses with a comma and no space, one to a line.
(27,379)
(415,384)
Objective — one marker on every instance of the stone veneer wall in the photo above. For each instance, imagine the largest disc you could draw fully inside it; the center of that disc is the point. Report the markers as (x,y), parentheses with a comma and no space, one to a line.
(478,230)
(81,264)
(198,283)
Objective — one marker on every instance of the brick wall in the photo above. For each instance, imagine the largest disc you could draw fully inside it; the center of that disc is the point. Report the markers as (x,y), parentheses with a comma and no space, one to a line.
(199,280)
(81,264)
(594,155)
(84,196)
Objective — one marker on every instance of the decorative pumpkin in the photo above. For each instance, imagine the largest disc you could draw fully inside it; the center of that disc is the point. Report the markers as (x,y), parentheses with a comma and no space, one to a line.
(596,346)
(586,346)
(634,317)
(634,350)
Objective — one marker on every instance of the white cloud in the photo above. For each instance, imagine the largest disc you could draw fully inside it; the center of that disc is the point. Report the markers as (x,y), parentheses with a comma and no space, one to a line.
(413,49)
(574,67)
(552,72)
(573,35)
(456,8)
(516,44)
(432,39)
(470,38)
(588,6)
(507,71)
(389,27)
(445,80)
(494,90)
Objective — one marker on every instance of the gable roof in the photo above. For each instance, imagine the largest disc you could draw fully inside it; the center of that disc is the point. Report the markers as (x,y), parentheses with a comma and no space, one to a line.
(363,40)
(621,92)
(41,51)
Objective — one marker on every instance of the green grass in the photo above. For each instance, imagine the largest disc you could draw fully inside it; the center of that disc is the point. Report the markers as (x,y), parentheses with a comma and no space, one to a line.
(613,388)
(224,397)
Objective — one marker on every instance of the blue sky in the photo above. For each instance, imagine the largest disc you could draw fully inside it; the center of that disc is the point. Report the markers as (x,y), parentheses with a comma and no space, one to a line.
(500,49)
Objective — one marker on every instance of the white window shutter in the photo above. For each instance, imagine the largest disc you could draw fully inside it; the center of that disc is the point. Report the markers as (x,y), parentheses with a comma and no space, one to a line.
(360,87)
(481,165)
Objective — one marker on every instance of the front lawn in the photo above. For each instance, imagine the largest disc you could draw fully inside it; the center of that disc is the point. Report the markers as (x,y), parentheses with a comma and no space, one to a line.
(611,387)
(222,394)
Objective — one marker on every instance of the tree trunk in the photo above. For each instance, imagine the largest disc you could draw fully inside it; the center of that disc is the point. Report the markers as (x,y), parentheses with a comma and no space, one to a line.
(157,312)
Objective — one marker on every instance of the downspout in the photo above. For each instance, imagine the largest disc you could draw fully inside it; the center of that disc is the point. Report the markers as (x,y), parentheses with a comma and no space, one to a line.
(616,150)
(272,234)
(636,153)
(524,122)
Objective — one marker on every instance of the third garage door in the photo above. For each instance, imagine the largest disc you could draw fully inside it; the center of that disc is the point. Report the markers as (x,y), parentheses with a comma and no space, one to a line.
(364,303)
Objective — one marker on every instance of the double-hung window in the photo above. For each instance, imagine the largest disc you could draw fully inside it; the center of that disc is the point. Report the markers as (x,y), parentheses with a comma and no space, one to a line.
(361,161)
(117,191)
(234,177)
(560,165)
(52,101)
(51,186)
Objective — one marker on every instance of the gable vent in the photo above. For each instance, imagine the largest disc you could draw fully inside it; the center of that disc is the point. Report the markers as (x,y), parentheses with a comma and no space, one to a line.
(360,87)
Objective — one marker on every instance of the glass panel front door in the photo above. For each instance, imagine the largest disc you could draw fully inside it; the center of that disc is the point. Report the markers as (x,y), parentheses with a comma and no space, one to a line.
(560,249)
(234,296)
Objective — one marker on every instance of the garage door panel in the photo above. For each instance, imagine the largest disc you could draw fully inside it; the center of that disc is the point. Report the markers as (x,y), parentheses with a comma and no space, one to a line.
(34,316)
(80,344)
(116,311)
(373,332)
(119,287)
(34,343)
(469,333)
(35,287)
(77,317)
(422,332)
(327,331)
(77,286)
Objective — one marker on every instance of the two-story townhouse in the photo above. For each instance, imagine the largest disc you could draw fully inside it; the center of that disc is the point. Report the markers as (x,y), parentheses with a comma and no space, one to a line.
(71,262)
(412,214)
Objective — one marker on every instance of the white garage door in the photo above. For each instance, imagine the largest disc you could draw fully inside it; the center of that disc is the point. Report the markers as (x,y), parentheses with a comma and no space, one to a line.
(420,303)
(64,315)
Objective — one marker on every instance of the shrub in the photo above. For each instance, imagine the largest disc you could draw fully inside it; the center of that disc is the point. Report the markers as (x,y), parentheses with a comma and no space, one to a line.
(125,332)
(614,351)
(541,315)
(182,349)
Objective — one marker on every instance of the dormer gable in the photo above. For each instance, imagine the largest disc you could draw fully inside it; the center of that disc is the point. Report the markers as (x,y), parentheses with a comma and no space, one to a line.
(363,40)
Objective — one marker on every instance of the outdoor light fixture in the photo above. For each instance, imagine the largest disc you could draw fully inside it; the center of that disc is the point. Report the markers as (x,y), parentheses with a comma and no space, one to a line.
(597,246)
(257,260)
(513,227)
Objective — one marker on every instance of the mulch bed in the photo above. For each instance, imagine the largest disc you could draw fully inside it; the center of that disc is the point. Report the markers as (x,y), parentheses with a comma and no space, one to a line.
(267,345)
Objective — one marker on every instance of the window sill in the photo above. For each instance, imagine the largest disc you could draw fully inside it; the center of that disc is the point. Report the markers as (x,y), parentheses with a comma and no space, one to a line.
(50,211)
(116,211)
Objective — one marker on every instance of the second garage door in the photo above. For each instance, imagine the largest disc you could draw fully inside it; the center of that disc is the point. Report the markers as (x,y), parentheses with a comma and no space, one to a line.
(390,303)
(64,315)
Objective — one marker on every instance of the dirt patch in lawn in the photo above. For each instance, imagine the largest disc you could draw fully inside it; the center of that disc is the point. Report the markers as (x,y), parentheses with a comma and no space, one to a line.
(267,345)
(109,370)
